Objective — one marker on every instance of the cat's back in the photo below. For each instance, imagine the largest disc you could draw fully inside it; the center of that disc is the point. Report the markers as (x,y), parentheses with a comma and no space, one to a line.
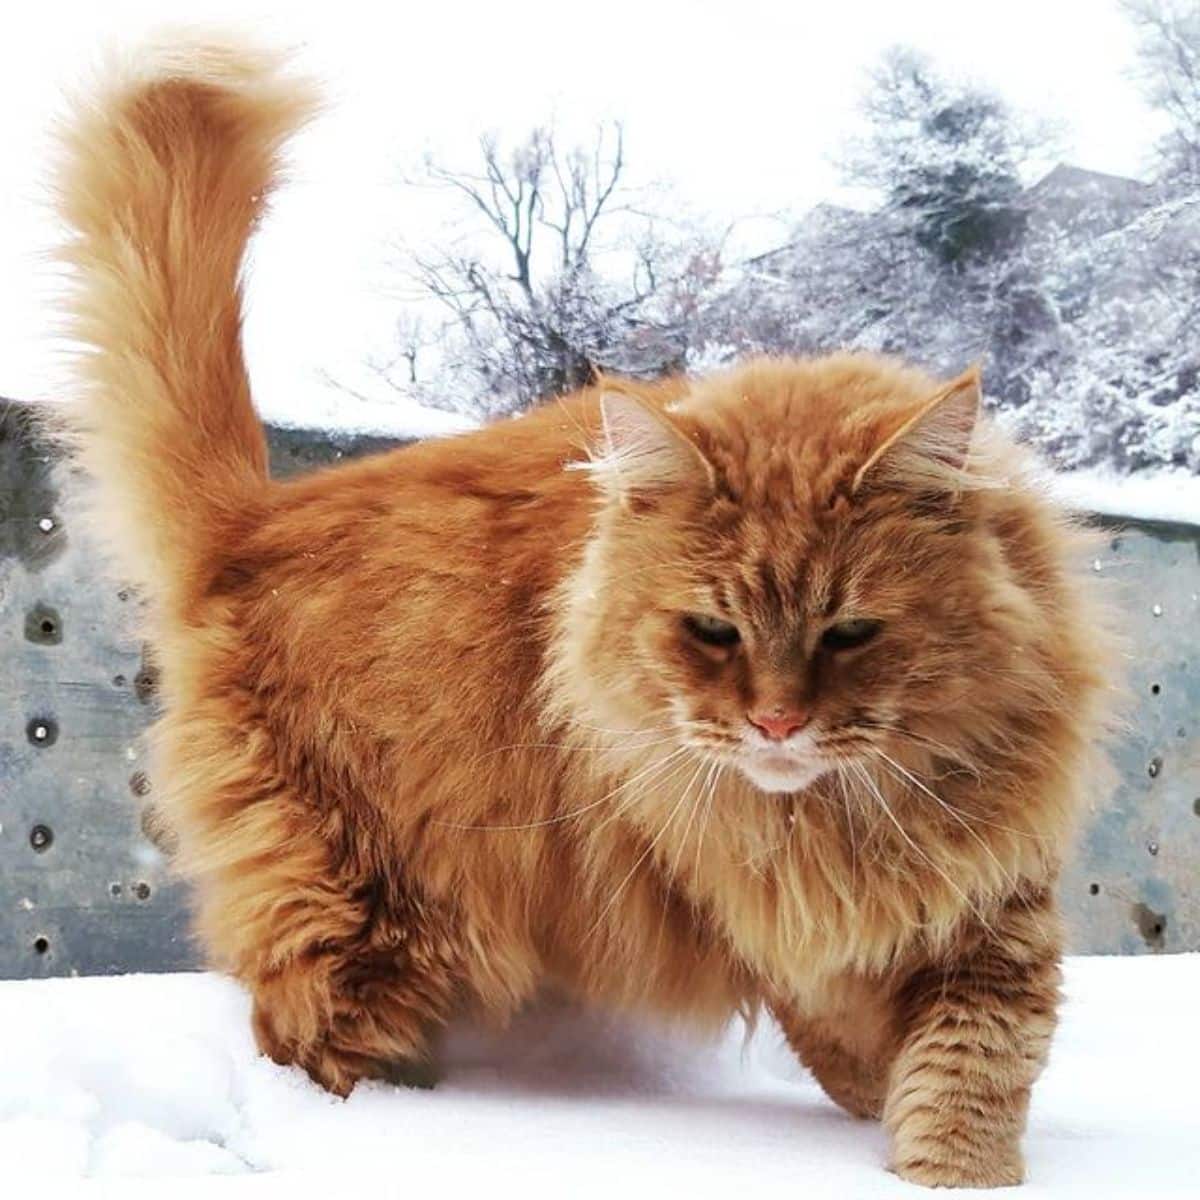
(405,595)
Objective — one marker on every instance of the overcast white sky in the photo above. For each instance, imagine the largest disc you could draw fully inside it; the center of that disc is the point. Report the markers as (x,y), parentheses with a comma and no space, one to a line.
(741,103)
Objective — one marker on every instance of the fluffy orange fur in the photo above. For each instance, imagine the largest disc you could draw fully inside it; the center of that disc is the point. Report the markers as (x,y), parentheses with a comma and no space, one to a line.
(442,729)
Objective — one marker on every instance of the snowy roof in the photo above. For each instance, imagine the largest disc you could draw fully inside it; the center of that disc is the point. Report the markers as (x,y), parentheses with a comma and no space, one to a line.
(1086,201)
(819,220)
(1066,196)
(1066,178)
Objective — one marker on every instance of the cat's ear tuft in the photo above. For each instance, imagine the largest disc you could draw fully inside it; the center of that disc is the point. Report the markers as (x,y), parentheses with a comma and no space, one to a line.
(642,450)
(931,447)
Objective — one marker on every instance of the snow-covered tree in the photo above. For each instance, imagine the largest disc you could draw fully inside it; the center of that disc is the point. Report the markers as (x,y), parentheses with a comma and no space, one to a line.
(1122,385)
(1169,72)
(945,155)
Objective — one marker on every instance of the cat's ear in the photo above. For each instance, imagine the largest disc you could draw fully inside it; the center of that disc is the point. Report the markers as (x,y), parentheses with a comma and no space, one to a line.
(642,450)
(931,447)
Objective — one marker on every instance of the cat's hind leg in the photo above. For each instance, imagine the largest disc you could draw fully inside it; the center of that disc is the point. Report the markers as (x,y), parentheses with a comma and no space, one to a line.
(350,971)
(342,1024)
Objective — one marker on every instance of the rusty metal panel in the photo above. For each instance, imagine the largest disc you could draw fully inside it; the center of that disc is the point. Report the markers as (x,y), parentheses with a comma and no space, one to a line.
(84,890)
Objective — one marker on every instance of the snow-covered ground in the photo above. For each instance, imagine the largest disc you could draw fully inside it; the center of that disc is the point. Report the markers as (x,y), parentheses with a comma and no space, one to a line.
(145,1077)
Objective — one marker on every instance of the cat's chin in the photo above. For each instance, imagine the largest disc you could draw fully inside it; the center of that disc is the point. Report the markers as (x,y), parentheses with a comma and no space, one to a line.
(776,774)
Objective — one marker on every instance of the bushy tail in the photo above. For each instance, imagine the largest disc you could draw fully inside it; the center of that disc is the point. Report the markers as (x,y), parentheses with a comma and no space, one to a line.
(163,178)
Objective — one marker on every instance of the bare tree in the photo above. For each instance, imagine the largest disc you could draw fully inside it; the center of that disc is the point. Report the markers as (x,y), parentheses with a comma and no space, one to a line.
(411,339)
(1169,72)
(585,277)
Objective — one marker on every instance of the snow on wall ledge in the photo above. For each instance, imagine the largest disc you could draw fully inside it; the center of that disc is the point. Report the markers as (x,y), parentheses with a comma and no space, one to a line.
(402,421)
(1170,496)
(153,1077)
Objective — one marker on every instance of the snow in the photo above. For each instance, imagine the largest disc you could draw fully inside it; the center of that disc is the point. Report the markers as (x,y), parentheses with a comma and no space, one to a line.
(327,409)
(1163,495)
(149,1077)
(323,407)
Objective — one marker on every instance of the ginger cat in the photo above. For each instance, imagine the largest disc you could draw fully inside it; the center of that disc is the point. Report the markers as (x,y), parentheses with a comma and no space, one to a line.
(773,689)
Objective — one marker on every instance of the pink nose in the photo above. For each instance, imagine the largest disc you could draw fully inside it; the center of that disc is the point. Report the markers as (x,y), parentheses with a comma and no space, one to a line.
(778,725)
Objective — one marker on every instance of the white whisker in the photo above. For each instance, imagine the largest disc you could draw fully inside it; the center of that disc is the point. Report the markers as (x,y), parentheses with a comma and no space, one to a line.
(874,788)
(554,820)
(641,858)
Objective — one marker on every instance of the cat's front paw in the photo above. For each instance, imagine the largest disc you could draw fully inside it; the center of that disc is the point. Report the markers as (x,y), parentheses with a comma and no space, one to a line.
(976,1170)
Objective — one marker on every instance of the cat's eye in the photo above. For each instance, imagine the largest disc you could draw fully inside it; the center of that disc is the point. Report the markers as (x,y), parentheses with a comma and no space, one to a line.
(845,635)
(710,630)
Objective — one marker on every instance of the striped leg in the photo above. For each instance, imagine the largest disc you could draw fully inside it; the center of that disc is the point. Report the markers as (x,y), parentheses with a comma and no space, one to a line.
(977,1029)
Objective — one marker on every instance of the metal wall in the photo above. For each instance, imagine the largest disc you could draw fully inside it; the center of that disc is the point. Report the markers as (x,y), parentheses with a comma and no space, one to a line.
(83,890)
